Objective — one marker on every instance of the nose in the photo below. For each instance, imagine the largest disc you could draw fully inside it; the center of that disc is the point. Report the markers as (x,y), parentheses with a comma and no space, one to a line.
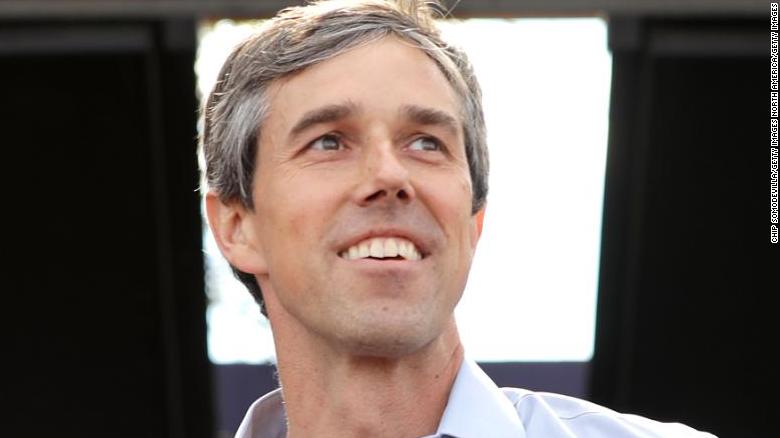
(385,178)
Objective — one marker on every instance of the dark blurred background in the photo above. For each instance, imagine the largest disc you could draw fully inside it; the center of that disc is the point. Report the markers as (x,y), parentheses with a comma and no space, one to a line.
(103,325)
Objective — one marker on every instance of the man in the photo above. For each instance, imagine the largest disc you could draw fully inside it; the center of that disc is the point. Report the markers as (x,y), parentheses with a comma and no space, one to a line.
(347,170)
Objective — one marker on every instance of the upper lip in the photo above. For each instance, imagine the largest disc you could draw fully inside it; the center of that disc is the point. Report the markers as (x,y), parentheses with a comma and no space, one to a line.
(388,232)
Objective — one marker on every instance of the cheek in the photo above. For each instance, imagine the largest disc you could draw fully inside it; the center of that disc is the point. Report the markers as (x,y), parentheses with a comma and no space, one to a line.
(459,209)
(299,206)
(450,198)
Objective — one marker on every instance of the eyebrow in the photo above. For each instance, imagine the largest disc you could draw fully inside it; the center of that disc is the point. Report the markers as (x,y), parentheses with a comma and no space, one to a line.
(325,114)
(412,113)
(431,117)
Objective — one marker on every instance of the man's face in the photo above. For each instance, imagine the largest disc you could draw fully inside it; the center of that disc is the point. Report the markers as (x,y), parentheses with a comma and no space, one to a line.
(363,200)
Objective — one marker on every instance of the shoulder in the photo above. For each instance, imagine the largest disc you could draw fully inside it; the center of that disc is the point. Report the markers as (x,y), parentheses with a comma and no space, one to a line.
(546,414)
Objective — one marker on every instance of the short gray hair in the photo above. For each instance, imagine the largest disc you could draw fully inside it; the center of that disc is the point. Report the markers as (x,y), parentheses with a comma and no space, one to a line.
(299,37)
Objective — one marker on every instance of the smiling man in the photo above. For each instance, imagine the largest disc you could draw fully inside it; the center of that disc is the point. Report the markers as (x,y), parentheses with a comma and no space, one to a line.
(347,175)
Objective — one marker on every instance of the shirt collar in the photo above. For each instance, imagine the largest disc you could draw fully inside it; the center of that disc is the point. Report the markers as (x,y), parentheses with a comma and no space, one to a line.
(265,418)
(477,408)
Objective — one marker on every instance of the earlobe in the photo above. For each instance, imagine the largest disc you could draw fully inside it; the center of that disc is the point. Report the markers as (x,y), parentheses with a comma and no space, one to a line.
(232,229)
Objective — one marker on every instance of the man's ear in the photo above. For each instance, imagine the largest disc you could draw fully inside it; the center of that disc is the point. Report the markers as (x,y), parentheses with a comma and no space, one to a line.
(478,218)
(232,227)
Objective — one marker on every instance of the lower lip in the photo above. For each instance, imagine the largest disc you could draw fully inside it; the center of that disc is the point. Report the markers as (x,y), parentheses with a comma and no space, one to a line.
(385,265)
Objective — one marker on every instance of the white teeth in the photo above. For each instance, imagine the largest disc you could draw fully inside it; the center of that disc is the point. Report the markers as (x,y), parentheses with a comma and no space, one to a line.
(382,247)
(408,251)
(403,248)
(377,249)
(391,248)
(363,251)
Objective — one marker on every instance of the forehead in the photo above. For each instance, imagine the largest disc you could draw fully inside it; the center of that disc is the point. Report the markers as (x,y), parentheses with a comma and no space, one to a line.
(381,77)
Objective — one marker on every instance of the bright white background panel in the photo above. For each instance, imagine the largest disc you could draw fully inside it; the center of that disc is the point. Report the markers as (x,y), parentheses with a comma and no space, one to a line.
(531,295)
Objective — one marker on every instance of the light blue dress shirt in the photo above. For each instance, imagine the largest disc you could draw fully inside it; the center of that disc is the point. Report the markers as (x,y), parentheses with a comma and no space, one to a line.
(477,408)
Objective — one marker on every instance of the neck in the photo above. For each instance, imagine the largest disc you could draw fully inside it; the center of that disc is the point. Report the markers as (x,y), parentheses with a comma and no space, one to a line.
(330,393)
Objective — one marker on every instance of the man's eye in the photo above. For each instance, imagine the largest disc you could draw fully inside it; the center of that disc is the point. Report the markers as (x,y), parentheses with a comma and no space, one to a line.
(326,143)
(425,144)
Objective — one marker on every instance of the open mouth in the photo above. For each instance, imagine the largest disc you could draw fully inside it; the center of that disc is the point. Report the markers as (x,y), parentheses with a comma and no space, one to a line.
(382,248)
